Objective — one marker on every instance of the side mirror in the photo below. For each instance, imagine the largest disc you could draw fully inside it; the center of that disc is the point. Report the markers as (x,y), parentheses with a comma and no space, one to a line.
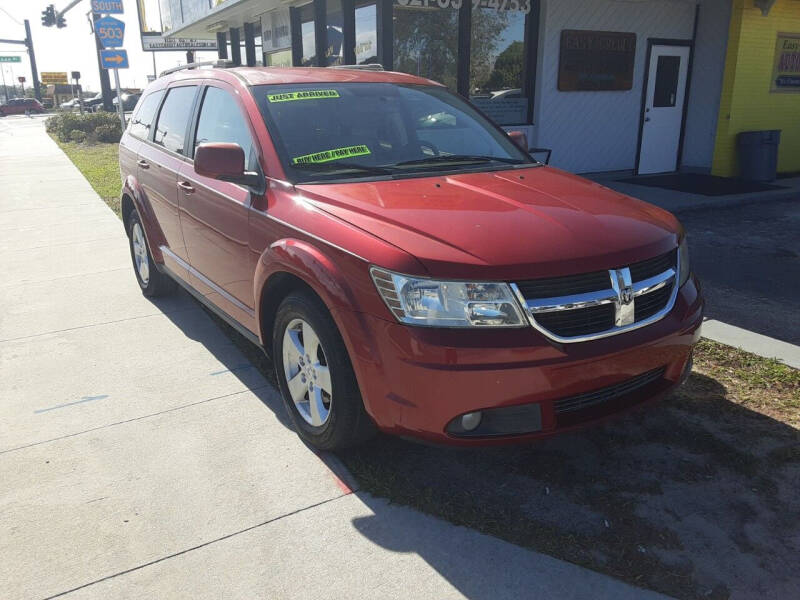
(224,162)
(520,139)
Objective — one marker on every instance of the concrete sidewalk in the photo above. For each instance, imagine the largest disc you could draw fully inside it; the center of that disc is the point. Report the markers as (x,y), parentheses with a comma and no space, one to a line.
(141,456)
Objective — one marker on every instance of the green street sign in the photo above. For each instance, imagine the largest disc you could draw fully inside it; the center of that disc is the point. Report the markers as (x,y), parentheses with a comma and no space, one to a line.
(6,59)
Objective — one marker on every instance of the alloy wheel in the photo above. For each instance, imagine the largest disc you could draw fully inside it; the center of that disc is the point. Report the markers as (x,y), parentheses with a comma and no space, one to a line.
(307,373)
(140,253)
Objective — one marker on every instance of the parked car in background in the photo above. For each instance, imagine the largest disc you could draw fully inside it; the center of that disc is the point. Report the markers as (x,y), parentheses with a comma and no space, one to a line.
(128,101)
(95,103)
(406,263)
(69,104)
(21,106)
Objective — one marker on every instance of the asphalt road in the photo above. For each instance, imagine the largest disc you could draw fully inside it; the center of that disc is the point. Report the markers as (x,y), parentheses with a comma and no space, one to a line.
(748,261)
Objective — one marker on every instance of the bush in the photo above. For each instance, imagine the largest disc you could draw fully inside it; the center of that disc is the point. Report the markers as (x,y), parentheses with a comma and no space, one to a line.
(108,133)
(99,126)
(76,135)
(51,124)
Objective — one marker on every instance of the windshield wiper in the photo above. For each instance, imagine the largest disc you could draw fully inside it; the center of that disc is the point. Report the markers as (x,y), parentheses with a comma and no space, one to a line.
(339,165)
(475,158)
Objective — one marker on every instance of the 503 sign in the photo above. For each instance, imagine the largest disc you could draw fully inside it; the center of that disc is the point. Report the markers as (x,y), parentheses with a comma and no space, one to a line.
(110,32)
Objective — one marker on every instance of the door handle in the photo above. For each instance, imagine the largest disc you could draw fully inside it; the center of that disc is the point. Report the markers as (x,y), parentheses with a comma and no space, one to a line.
(143,163)
(186,187)
(647,118)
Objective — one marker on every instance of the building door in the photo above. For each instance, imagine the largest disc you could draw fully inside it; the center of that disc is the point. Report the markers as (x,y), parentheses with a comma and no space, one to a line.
(663,109)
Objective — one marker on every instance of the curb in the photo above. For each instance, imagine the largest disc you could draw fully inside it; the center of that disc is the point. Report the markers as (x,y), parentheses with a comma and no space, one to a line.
(749,341)
(723,202)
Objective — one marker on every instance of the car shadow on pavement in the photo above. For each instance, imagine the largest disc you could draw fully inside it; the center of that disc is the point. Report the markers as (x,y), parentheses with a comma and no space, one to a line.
(695,497)
(254,370)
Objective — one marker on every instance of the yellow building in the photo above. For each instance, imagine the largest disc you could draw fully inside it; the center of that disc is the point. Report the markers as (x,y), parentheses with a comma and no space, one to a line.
(761,48)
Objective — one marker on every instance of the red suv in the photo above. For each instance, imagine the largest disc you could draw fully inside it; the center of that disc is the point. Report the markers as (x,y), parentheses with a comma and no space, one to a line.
(407,265)
(21,106)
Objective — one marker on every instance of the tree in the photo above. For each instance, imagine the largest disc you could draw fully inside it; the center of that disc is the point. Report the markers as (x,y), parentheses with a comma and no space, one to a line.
(507,68)
(487,28)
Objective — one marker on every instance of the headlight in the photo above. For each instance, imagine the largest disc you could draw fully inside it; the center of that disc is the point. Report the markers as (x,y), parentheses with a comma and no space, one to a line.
(417,301)
(684,269)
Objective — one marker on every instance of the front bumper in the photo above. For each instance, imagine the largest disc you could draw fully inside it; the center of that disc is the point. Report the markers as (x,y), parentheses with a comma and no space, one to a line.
(416,381)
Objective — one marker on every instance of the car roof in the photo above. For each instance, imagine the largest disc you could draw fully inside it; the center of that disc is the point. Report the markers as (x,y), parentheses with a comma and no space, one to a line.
(289,75)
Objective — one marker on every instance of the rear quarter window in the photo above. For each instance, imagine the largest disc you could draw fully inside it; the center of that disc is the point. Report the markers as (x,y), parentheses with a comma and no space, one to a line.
(173,119)
(142,120)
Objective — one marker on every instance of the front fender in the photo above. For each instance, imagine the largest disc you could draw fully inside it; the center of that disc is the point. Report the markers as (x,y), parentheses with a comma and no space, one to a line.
(308,263)
(152,230)
(334,276)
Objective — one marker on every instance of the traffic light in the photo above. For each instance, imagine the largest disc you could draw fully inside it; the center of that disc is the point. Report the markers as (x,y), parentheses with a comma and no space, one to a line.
(61,22)
(49,16)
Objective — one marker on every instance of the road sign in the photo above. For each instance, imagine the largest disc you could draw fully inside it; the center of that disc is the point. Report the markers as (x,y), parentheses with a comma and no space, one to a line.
(8,59)
(21,79)
(110,32)
(76,75)
(52,78)
(108,7)
(114,59)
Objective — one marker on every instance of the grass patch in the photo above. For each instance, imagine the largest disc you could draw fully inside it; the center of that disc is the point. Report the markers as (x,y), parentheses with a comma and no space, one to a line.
(764,385)
(99,163)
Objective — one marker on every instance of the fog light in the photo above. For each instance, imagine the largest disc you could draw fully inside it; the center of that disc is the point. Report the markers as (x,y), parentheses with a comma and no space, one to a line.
(470,421)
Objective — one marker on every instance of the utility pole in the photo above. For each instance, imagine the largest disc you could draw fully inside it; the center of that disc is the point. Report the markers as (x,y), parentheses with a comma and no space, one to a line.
(28,43)
(5,87)
(34,73)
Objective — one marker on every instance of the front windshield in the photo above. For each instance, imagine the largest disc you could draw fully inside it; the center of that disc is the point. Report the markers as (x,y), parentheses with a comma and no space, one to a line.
(327,131)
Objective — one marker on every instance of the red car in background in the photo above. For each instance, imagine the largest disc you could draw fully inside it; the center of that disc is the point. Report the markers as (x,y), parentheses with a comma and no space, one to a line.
(406,263)
(21,106)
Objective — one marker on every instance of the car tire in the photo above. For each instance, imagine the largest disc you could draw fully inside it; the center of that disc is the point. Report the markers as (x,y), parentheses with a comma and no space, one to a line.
(326,408)
(153,282)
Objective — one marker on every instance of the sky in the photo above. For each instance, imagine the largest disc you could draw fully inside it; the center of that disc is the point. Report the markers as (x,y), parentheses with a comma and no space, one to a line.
(72,48)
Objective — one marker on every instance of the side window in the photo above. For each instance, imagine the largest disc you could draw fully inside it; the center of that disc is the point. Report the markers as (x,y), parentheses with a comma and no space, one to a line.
(221,120)
(143,119)
(174,118)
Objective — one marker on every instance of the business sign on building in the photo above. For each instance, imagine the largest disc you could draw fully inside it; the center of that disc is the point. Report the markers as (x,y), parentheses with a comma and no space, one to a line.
(596,61)
(275,30)
(158,17)
(53,77)
(786,68)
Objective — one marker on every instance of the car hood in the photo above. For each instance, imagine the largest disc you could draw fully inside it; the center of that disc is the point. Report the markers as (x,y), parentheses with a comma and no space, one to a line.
(521,223)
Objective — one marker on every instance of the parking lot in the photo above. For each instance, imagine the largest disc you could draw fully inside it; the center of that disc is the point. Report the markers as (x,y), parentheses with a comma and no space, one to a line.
(748,258)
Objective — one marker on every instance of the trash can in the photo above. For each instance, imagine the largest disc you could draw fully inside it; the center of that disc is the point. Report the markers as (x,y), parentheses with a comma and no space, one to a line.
(758,154)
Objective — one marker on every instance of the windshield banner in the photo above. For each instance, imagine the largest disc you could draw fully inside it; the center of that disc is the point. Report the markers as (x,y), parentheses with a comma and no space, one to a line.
(329,155)
(307,95)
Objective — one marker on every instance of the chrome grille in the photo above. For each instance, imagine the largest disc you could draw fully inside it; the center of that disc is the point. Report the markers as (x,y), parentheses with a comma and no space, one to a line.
(581,321)
(564,286)
(605,394)
(577,308)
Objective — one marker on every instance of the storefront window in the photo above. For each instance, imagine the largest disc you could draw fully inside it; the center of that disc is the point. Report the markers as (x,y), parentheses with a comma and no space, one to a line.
(281,58)
(366,34)
(276,38)
(308,35)
(335,50)
(426,39)
(496,61)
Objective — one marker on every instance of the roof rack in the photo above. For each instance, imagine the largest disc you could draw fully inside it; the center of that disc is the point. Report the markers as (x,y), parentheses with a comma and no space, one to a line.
(367,67)
(218,64)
